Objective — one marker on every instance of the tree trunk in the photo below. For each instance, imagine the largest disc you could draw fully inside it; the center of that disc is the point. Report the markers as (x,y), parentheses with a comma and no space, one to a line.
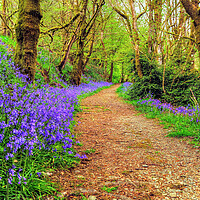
(136,39)
(78,65)
(104,63)
(122,74)
(76,74)
(151,28)
(63,62)
(191,45)
(4,17)
(157,25)
(27,34)
(192,8)
(111,72)
(85,28)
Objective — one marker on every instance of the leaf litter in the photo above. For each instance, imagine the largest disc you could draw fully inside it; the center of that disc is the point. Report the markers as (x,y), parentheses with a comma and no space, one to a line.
(130,154)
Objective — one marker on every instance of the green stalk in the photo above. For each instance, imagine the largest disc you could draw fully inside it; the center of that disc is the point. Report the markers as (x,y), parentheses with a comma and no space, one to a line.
(7,190)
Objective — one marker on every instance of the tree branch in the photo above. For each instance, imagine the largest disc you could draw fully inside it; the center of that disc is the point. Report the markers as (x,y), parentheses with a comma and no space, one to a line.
(91,22)
(62,27)
(5,22)
(16,11)
(142,13)
(123,15)
(120,13)
(183,37)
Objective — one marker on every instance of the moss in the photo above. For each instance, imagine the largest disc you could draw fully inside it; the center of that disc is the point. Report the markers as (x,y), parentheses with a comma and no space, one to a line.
(27,34)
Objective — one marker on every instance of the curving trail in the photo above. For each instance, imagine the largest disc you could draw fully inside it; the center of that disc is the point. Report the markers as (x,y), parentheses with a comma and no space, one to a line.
(133,157)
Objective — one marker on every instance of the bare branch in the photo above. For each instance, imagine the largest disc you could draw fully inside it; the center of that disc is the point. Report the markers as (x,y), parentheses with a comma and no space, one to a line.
(5,22)
(181,37)
(142,13)
(62,27)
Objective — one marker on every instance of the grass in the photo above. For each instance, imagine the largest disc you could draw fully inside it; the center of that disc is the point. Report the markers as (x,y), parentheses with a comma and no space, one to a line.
(179,120)
(93,92)
(90,151)
(109,189)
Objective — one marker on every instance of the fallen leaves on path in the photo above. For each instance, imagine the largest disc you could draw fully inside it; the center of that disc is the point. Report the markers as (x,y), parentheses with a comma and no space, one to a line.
(129,156)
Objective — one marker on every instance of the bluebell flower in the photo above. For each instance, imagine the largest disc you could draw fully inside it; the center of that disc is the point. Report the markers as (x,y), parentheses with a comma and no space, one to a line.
(9,180)
(70,152)
(38,119)
(39,174)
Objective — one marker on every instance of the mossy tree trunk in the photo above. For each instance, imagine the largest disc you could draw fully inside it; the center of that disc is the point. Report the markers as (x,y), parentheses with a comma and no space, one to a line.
(136,39)
(27,34)
(122,74)
(111,72)
(151,28)
(85,28)
(79,63)
(157,25)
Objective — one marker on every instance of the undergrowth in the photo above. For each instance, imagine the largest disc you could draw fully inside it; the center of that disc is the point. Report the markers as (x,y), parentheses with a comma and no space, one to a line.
(36,123)
(174,83)
(181,121)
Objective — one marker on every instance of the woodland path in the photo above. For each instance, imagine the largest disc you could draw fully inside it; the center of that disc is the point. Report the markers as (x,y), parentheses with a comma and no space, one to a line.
(132,153)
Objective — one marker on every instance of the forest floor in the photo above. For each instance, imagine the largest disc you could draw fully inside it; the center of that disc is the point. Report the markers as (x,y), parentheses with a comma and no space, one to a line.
(133,158)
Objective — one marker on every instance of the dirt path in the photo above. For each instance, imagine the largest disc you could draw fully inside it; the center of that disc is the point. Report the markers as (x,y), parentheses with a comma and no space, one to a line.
(132,156)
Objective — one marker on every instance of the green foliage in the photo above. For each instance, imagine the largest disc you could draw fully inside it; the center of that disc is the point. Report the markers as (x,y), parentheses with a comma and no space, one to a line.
(116,44)
(180,125)
(83,197)
(94,72)
(10,42)
(116,74)
(47,61)
(181,86)
(8,72)
(66,72)
(35,175)
(150,83)
(90,151)
(107,189)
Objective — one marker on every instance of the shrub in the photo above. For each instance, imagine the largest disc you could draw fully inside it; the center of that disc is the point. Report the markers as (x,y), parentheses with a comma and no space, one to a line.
(181,86)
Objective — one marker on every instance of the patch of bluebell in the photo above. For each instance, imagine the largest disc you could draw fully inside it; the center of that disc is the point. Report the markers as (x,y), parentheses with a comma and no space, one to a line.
(34,119)
(190,111)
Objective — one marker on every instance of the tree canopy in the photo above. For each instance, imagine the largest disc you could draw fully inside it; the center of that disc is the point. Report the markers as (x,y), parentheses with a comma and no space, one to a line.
(109,40)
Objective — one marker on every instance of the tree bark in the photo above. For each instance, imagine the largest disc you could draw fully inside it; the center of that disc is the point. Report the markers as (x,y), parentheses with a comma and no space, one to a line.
(192,8)
(122,74)
(78,64)
(104,63)
(151,28)
(111,72)
(4,17)
(63,62)
(136,39)
(157,25)
(85,28)
(27,34)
